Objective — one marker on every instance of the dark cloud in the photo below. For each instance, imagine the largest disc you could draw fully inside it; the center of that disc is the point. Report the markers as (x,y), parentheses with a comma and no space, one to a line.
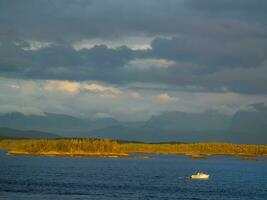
(215,45)
(256,7)
(212,53)
(64,20)
(67,20)
(110,65)
(259,106)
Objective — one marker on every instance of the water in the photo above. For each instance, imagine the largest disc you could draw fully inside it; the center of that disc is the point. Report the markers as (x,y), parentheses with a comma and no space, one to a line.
(160,177)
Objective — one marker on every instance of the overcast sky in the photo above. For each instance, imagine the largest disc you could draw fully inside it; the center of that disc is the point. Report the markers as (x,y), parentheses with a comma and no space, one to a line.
(132,59)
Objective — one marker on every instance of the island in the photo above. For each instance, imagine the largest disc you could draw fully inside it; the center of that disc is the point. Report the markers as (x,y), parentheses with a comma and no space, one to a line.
(115,149)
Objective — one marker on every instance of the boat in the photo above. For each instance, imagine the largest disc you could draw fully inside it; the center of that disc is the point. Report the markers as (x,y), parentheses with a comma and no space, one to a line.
(200,175)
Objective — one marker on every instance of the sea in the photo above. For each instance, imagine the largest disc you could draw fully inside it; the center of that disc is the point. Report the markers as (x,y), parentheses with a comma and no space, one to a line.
(158,177)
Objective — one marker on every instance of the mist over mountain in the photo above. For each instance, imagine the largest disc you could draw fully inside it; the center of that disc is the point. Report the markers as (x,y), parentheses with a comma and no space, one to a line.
(47,122)
(255,119)
(14,133)
(181,121)
(65,125)
(245,126)
(250,125)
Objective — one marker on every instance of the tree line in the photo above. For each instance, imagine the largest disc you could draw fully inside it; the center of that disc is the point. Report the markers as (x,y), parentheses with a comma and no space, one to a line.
(112,146)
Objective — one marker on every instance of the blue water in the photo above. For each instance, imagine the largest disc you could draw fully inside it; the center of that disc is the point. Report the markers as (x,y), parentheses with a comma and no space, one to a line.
(160,177)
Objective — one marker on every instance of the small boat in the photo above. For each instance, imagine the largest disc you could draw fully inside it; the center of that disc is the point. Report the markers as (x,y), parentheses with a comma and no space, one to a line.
(200,175)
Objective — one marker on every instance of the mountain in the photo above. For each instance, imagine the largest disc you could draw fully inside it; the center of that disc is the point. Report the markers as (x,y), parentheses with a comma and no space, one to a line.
(250,125)
(148,135)
(245,126)
(14,133)
(48,122)
(181,121)
(64,125)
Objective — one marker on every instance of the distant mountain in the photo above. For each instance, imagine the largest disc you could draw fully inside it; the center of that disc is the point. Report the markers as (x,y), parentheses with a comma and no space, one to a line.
(250,125)
(64,125)
(181,121)
(243,127)
(14,133)
(145,134)
(251,120)
(48,122)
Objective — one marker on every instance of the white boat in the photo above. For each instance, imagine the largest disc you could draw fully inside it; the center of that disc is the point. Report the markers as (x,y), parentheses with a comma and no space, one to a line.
(200,175)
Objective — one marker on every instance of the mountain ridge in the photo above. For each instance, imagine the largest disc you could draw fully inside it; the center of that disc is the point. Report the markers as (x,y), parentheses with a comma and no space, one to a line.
(33,134)
(246,126)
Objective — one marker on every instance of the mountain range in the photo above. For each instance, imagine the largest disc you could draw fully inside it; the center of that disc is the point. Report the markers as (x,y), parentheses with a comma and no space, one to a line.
(245,126)
(21,134)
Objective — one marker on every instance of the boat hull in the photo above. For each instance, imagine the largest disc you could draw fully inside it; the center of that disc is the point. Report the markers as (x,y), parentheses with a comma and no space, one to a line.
(203,176)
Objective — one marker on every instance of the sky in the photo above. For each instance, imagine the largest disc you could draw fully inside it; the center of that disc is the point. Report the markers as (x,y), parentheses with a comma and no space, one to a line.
(132,59)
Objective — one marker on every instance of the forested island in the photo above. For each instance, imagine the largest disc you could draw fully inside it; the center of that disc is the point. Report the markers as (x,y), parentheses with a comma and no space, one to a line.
(112,148)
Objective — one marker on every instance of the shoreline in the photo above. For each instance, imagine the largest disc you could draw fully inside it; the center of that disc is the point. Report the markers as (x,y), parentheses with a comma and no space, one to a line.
(125,155)
(68,154)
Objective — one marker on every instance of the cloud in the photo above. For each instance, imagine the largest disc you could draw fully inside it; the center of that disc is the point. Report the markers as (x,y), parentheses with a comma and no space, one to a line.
(133,42)
(86,19)
(134,50)
(210,53)
(149,64)
(164,98)
(82,20)
(101,89)
(14,86)
(102,116)
(26,110)
(33,45)
(63,86)
(256,7)
(74,87)
(166,63)
(133,103)
(135,95)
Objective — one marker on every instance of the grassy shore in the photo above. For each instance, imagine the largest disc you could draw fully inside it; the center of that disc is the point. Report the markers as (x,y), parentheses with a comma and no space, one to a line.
(68,154)
(198,150)
(113,149)
(64,147)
